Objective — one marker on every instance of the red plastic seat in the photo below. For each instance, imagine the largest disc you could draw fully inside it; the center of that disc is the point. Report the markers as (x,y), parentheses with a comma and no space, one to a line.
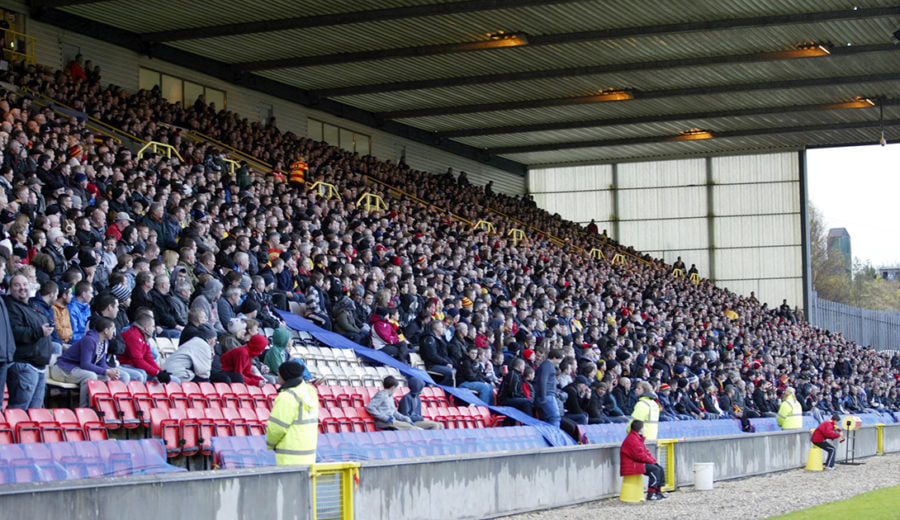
(188,431)
(326,396)
(7,435)
(195,396)
(72,429)
(357,423)
(103,402)
(271,393)
(169,435)
(223,426)
(239,426)
(252,421)
(51,431)
(323,414)
(368,420)
(157,392)
(489,420)
(345,424)
(259,398)
(243,394)
(94,430)
(229,398)
(444,416)
(466,418)
(210,394)
(440,398)
(331,422)
(262,415)
(125,405)
(343,395)
(26,430)
(143,402)
(207,428)
(176,396)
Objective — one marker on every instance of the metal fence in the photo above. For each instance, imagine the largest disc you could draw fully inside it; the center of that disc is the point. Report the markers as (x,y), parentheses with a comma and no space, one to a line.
(866,327)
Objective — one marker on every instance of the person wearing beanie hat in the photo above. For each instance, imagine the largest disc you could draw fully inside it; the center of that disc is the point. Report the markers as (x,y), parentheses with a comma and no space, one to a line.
(292,430)
(240,360)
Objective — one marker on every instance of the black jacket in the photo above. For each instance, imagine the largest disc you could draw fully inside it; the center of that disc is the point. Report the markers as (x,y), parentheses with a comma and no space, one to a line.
(26,324)
(468,371)
(510,387)
(165,312)
(7,341)
(434,351)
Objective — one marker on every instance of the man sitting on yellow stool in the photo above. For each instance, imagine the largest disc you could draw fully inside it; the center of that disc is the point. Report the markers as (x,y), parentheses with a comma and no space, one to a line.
(636,459)
(828,430)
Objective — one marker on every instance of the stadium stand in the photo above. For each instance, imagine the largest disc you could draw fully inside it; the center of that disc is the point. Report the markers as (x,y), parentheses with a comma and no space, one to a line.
(187,219)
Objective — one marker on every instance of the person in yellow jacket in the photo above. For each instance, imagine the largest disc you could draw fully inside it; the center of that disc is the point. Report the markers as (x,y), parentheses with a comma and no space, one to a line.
(646,409)
(790,413)
(293,429)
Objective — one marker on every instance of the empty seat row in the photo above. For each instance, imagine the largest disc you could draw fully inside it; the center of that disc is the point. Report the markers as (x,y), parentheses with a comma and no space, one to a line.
(129,406)
(84,459)
(349,419)
(242,452)
(342,447)
(39,425)
(355,375)
(192,430)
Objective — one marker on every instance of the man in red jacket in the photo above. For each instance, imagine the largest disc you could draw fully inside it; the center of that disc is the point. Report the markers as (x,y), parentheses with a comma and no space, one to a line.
(240,360)
(828,430)
(636,459)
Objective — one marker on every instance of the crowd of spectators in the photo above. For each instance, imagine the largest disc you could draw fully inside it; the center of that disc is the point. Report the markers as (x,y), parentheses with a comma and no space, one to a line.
(94,235)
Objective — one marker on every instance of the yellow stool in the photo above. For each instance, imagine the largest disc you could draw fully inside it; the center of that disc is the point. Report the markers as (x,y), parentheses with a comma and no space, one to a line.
(814,461)
(632,488)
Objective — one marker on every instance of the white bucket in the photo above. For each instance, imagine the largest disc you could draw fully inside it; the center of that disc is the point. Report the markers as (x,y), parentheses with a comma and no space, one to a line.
(703,475)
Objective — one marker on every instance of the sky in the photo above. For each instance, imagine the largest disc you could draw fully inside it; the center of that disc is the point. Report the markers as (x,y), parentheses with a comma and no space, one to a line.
(858,188)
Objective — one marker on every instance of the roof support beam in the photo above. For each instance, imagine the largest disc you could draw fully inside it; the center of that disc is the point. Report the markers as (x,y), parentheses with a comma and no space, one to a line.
(327,20)
(572,145)
(636,120)
(562,38)
(647,94)
(585,71)
(50,4)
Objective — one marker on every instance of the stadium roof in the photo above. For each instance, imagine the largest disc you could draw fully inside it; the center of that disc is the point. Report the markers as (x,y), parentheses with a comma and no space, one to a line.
(519,83)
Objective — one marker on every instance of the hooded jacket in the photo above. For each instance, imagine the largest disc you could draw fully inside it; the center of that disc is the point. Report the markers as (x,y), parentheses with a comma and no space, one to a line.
(239,360)
(62,320)
(383,333)
(277,353)
(192,359)
(345,318)
(79,313)
(411,404)
(204,301)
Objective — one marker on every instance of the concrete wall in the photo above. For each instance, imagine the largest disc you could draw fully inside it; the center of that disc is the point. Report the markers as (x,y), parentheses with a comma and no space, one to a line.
(478,486)
(217,495)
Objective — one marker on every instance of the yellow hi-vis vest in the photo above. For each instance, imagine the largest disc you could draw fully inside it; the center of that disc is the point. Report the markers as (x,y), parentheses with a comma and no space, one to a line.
(646,410)
(292,430)
(790,414)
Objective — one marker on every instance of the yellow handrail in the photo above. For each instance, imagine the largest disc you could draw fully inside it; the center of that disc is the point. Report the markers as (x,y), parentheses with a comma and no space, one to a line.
(485,225)
(678,273)
(695,278)
(597,253)
(13,44)
(517,235)
(326,190)
(402,194)
(372,201)
(232,164)
(93,120)
(156,146)
(618,258)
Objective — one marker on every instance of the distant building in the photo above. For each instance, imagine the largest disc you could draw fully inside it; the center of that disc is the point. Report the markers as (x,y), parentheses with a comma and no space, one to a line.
(839,244)
(889,273)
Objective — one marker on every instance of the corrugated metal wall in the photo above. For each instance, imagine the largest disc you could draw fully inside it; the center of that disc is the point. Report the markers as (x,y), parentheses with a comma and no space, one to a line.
(737,218)
(120,67)
(866,327)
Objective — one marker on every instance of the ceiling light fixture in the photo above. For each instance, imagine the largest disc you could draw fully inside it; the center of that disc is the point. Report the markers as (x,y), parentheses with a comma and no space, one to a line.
(694,134)
(858,102)
(507,39)
(801,50)
(607,95)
